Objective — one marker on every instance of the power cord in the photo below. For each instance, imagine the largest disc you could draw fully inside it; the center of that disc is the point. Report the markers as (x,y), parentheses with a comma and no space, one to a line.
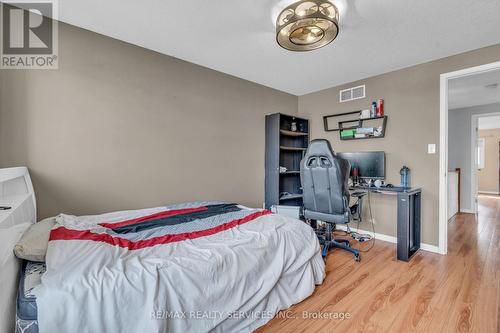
(362,237)
(366,237)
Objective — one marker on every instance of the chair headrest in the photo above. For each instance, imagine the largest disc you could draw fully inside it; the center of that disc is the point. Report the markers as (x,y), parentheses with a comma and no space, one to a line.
(320,147)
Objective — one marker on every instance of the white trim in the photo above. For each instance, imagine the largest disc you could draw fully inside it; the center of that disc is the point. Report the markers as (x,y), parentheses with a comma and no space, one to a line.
(382,237)
(473,163)
(467,211)
(443,145)
(443,165)
(429,248)
(488,192)
(391,239)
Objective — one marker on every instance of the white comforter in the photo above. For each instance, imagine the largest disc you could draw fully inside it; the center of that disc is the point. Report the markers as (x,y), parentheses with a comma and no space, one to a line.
(234,280)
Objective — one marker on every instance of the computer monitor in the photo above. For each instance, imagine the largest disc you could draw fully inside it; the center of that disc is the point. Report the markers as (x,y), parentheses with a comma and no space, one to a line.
(371,165)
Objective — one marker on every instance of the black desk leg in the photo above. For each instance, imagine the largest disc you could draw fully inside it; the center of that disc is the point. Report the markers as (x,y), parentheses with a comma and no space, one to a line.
(409,206)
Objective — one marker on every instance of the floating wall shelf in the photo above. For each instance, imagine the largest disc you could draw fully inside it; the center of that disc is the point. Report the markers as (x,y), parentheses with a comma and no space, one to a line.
(347,126)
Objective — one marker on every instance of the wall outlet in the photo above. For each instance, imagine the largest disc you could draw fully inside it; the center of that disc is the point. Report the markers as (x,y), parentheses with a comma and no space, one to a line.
(431,148)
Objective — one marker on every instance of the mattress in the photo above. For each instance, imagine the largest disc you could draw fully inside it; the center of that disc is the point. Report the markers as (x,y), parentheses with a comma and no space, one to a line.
(191,267)
(26,309)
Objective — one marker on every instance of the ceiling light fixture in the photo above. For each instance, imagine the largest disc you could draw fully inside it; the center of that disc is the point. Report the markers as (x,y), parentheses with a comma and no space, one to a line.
(307,25)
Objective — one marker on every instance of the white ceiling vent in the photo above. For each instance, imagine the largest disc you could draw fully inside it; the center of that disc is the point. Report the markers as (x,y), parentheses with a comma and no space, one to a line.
(351,94)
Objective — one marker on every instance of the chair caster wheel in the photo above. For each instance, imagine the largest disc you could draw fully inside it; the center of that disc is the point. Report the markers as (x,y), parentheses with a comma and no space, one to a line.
(357,258)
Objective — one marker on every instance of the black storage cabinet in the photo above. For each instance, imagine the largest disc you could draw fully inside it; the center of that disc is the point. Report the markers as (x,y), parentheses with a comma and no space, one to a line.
(409,218)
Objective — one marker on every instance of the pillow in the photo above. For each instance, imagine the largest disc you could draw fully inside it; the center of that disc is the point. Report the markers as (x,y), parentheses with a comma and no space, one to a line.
(33,244)
(8,239)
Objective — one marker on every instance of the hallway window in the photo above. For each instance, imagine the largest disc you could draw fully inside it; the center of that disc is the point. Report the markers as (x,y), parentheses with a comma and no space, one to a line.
(480,153)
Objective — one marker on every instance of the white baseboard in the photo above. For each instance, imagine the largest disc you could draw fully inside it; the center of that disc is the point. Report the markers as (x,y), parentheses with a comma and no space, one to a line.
(390,239)
(467,211)
(429,248)
(488,192)
(382,237)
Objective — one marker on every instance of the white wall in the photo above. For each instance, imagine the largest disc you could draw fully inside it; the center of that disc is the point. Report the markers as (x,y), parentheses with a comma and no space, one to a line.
(459,145)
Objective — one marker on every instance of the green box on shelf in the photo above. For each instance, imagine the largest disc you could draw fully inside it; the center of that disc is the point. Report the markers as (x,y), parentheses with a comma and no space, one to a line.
(347,133)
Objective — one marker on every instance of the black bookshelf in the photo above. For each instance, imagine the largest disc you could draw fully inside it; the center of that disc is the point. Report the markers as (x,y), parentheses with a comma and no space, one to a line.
(284,148)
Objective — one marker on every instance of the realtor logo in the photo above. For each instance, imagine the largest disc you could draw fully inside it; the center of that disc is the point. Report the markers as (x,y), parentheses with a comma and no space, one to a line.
(29,38)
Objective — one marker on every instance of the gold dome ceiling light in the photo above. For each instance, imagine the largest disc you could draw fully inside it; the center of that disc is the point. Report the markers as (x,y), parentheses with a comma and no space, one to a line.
(307,25)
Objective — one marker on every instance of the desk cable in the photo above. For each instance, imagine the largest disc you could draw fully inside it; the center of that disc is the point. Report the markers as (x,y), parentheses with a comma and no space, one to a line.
(361,238)
(366,237)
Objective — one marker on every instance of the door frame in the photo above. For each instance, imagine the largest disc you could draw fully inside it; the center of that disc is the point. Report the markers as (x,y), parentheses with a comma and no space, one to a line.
(443,144)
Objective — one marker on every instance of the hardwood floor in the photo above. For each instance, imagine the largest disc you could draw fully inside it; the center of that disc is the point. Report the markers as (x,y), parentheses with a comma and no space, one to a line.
(458,292)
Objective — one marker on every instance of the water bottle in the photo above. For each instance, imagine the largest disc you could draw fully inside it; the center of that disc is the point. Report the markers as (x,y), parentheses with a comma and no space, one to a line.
(373,110)
(405,176)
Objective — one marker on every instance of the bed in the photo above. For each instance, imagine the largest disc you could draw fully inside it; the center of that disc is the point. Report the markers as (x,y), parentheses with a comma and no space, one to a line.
(191,267)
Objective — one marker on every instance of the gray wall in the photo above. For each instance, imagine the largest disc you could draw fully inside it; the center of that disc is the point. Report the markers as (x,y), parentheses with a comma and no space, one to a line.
(412,103)
(459,146)
(121,127)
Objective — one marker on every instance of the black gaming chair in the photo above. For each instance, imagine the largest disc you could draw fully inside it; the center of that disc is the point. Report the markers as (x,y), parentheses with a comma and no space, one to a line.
(324,178)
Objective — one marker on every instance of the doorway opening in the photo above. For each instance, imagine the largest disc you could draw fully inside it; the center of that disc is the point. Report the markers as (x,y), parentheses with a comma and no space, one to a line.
(466,97)
(488,155)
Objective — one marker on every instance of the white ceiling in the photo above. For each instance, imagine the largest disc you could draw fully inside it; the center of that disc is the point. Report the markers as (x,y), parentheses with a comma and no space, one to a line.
(473,91)
(238,38)
(489,122)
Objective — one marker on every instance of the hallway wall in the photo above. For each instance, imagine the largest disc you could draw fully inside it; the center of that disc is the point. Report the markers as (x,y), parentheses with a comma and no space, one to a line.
(459,146)
(488,177)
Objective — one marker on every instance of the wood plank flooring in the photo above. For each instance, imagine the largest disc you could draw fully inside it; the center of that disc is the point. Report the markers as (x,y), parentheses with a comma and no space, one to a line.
(458,292)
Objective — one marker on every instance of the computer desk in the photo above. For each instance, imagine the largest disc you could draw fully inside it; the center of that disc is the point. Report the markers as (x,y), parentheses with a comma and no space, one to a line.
(409,217)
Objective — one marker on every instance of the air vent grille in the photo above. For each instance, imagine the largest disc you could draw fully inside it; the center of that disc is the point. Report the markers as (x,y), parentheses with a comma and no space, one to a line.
(346,95)
(353,93)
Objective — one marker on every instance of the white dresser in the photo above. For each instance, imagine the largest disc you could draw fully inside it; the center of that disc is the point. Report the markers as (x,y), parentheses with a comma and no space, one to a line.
(16,192)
